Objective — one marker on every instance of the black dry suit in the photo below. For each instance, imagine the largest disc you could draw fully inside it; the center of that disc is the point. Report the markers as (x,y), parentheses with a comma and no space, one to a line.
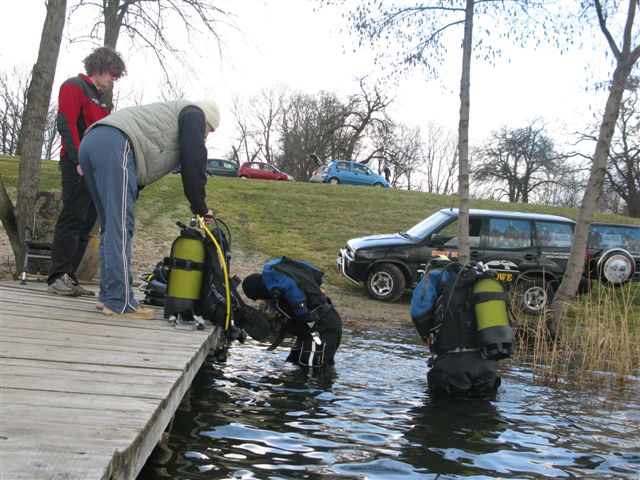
(443,313)
(294,287)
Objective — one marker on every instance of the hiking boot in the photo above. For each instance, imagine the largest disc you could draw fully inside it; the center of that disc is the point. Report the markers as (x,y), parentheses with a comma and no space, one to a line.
(84,291)
(140,314)
(99,305)
(64,286)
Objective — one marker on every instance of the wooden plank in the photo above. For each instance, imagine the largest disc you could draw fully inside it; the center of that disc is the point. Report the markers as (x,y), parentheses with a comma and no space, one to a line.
(97,403)
(29,460)
(85,395)
(91,386)
(106,373)
(97,330)
(86,417)
(120,344)
(139,358)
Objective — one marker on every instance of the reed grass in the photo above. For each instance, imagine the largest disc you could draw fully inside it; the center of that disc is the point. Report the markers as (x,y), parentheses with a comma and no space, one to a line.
(598,343)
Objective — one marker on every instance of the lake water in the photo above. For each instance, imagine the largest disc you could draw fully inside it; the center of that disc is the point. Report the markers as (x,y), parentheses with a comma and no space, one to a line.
(372,418)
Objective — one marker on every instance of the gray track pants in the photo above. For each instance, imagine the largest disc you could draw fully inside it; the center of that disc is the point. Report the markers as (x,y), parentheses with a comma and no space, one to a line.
(108,165)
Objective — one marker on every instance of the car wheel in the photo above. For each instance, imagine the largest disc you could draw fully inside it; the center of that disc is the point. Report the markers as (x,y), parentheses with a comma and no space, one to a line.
(378,185)
(334,181)
(385,282)
(537,294)
(616,268)
(244,177)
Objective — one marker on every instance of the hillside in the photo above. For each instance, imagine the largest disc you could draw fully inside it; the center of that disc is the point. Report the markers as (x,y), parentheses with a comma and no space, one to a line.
(297,219)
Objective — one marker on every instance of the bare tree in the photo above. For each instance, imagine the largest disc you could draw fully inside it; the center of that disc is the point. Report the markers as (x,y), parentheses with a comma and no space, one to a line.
(13,98)
(625,55)
(399,148)
(52,139)
(258,121)
(517,161)
(440,169)
(623,171)
(282,128)
(367,109)
(417,33)
(564,186)
(16,218)
(145,25)
(310,124)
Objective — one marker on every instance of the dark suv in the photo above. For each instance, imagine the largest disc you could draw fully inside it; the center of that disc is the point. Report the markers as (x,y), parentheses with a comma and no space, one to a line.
(529,251)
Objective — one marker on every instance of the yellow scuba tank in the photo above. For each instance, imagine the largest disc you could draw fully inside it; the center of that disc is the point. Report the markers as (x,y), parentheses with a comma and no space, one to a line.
(186,271)
(491,305)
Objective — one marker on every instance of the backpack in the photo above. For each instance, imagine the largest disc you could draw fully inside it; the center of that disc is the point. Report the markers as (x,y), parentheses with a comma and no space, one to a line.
(449,307)
(308,278)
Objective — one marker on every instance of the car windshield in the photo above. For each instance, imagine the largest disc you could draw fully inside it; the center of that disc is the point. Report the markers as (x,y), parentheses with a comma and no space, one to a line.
(428,225)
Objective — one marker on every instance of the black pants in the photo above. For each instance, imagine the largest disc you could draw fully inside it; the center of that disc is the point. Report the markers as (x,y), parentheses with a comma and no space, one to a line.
(77,218)
(464,373)
(306,352)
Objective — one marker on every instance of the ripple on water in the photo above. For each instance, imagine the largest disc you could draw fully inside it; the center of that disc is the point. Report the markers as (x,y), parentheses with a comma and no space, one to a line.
(371,417)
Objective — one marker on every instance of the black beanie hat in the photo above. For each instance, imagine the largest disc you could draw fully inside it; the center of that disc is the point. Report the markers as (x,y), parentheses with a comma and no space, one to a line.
(253,287)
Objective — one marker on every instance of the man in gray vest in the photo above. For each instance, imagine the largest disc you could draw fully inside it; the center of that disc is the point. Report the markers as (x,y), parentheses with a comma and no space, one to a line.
(134,147)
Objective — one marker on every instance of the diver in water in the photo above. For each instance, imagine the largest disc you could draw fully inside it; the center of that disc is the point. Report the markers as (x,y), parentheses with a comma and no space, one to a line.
(443,309)
(295,297)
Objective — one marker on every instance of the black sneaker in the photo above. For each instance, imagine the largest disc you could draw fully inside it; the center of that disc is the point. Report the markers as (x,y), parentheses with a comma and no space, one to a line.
(64,285)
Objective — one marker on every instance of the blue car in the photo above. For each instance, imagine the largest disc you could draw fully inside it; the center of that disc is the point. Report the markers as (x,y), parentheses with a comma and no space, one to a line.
(352,173)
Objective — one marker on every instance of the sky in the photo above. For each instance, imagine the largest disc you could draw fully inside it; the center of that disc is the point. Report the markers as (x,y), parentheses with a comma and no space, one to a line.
(295,43)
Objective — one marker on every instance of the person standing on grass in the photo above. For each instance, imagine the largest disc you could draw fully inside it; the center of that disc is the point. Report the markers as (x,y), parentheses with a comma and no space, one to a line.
(80,104)
(134,147)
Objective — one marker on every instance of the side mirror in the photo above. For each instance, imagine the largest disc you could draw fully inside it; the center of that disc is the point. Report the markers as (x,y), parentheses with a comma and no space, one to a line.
(436,239)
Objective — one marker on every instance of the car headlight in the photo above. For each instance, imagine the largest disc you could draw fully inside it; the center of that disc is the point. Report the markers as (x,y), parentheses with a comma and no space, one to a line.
(367,254)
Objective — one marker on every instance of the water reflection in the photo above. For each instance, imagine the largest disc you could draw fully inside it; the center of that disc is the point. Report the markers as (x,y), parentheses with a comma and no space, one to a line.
(372,418)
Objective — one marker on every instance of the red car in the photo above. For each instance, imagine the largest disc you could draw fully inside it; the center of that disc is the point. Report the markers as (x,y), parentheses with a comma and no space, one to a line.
(262,171)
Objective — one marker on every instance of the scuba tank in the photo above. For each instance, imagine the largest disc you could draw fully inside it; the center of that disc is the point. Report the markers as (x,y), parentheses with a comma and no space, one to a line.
(186,270)
(491,305)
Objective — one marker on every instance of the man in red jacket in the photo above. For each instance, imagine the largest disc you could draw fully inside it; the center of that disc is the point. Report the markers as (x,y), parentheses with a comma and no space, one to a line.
(80,104)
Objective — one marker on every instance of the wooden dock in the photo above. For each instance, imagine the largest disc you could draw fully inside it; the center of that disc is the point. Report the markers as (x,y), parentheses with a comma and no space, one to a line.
(83,395)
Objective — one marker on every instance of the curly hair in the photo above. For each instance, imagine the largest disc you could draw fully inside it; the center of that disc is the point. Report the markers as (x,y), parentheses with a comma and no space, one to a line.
(105,59)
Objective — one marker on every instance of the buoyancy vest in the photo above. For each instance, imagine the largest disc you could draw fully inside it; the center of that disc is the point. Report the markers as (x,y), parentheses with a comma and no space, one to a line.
(454,312)
(298,281)
(153,132)
(459,308)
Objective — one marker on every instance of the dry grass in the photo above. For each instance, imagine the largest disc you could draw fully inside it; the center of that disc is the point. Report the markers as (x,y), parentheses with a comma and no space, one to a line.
(598,343)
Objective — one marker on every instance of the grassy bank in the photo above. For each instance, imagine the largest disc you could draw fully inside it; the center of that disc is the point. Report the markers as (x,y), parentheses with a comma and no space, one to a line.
(313,221)
(303,220)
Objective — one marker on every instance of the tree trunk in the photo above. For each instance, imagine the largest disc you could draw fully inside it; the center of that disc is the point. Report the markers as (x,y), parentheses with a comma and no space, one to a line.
(9,222)
(113,15)
(33,121)
(571,279)
(463,137)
